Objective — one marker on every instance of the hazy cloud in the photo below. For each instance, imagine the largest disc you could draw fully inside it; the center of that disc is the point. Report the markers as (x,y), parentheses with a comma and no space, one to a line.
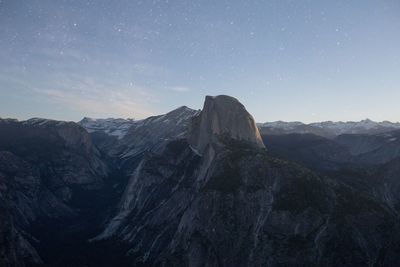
(99,99)
(179,89)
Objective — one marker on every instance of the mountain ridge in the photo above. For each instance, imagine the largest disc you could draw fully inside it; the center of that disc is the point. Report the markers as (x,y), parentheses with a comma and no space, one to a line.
(329,129)
(119,126)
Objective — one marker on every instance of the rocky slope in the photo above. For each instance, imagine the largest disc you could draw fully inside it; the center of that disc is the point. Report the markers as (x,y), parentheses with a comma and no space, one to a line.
(152,134)
(45,166)
(247,210)
(373,149)
(110,126)
(314,151)
(309,150)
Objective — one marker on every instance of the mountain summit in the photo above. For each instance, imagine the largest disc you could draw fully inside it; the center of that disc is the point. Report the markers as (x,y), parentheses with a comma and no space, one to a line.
(223,116)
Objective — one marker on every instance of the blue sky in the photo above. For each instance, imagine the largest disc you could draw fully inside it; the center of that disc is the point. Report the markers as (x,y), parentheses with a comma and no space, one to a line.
(285,60)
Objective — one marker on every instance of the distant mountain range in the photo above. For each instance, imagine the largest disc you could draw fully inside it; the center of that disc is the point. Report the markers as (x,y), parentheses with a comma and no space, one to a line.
(329,129)
(203,187)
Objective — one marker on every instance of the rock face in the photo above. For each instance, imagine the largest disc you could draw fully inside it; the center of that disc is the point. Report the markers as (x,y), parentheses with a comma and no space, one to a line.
(45,168)
(155,132)
(223,116)
(245,208)
(110,126)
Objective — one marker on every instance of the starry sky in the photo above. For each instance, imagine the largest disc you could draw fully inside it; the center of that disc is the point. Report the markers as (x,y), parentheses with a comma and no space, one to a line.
(309,60)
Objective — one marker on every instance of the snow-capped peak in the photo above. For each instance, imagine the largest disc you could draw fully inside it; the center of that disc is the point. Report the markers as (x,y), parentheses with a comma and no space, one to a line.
(331,128)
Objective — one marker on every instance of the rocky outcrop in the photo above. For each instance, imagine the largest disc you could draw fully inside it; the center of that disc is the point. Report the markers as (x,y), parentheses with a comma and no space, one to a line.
(15,250)
(223,116)
(45,169)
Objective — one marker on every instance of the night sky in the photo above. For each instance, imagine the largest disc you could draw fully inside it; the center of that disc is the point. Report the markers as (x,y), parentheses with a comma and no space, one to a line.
(284,60)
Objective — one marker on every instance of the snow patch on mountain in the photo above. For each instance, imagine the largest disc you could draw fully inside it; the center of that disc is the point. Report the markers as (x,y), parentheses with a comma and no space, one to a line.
(111,126)
(44,122)
(281,124)
(330,128)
